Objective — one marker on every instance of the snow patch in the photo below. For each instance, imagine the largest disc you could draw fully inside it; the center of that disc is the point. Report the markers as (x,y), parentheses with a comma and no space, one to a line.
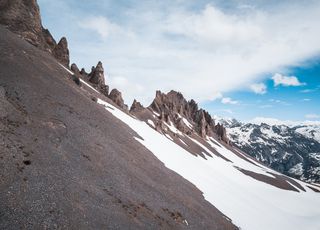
(249,203)
(150,122)
(297,169)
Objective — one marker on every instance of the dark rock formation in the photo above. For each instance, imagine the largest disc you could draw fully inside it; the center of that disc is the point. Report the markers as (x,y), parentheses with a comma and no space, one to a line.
(174,108)
(116,97)
(23,18)
(136,107)
(83,72)
(96,77)
(76,76)
(75,69)
(221,132)
(97,74)
(61,52)
(84,75)
(76,79)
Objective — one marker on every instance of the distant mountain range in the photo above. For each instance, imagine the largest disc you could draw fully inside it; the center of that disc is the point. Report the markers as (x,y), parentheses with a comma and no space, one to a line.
(290,148)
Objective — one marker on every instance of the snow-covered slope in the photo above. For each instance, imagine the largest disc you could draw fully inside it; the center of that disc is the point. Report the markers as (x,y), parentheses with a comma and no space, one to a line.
(311,131)
(292,149)
(253,196)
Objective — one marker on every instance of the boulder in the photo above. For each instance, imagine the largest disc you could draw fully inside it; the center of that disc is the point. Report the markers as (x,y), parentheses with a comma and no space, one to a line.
(116,96)
(75,69)
(136,107)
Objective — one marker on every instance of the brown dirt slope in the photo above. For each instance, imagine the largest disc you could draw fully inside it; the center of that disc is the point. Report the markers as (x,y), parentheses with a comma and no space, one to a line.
(66,163)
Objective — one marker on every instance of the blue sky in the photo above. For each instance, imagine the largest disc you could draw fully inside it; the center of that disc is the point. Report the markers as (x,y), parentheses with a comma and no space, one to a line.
(281,102)
(241,59)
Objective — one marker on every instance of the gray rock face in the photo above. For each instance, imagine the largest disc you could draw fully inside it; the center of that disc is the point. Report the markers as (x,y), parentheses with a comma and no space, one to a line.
(222,133)
(116,97)
(96,77)
(23,18)
(174,108)
(75,69)
(61,52)
(97,74)
(136,107)
(283,148)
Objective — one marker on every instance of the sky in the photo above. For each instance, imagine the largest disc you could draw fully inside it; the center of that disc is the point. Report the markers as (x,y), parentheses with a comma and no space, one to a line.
(240,58)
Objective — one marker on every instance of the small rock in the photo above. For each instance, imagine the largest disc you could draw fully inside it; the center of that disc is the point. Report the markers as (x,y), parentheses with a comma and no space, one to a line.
(116,97)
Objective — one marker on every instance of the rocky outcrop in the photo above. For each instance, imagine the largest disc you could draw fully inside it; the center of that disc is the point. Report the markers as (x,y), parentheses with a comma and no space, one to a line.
(97,74)
(74,68)
(136,107)
(174,108)
(116,97)
(96,77)
(61,52)
(23,18)
(222,133)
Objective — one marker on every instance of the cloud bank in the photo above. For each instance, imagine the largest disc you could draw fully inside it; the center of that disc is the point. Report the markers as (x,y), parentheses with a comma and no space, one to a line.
(202,51)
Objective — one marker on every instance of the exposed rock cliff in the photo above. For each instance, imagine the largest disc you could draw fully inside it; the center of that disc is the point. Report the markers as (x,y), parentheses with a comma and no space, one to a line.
(23,18)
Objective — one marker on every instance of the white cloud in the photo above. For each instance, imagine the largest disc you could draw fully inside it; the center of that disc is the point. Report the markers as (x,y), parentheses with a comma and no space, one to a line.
(312,116)
(280,79)
(306,99)
(259,88)
(228,100)
(121,82)
(100,25)
(199,51)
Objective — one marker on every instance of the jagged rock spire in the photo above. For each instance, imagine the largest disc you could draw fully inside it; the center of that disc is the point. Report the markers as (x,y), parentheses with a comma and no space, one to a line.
(173,107)
(97,74)
(136,107)
(61,52)
(116,97)
(96,77)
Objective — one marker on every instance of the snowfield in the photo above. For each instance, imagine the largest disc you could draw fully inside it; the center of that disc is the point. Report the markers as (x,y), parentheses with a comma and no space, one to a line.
(251,204)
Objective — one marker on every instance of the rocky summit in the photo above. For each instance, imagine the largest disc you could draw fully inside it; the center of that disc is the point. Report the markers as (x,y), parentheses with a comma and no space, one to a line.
(61,52)
(23,18)
(185,115)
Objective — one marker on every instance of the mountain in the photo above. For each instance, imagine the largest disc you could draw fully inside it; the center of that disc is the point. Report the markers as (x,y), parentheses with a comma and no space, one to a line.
(74,156)
(292,149)
(23,18)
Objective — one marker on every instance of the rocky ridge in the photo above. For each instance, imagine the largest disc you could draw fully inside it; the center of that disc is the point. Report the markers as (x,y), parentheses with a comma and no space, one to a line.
(292,150)
(170,109)
(174,111)
(23,18)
